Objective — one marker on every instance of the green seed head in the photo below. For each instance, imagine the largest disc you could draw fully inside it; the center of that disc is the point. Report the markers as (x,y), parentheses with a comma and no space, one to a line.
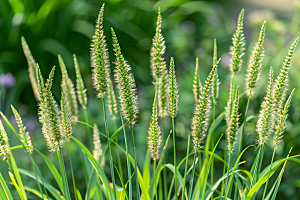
(24,136)
(81,91)
(173,92)
(97,151)
(196,83)
(99,58)
(216,82)
(66,123)
(111,100)
(238,43)
(4,145)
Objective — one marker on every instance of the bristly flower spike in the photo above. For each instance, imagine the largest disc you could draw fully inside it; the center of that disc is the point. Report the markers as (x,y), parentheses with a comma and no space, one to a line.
(81,91)
(281,82)
(31,68)
(125,84)
(68,89)
(196,83)
(111,100)
(97,151)
(216,82)
(281,123)
(99,58)
(233,124)
(237,48)
(173,92)
(66,123)
(154,133)
(4,145)
(201,115)
(24,135)
(255,64)
(264,124)
(229,103)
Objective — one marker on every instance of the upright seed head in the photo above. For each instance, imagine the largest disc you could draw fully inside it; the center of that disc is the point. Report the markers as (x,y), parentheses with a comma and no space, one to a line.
(68,89)
(31,68)
(201,115)
(281,123)
(233,125)
(216,82)
(99,58)
(281,82)
(264,123)
(173,92)
(154,133)
(229,104)
(66,123)
(125,84)
(111,100)
(255,64)
(81,91)
(24,135)
(163,94)
(197,84)
(238,43)
(4,145)
(97,151)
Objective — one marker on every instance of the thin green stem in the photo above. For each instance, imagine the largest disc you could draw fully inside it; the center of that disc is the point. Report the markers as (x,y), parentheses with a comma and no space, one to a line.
(192,178)
(63,174)
(212,146)
(127,159)
(135,162)
(269,172)
(244,124)
(72,171)
(164,159)
(88,130)
(227,178)
(224,170)
(256,166)
(186,166)
(109,149)
(118,153)
(154,174)
(175,163)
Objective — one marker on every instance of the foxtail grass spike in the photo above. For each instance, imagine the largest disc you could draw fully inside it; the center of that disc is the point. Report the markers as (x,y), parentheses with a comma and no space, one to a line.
(229,103)
(157,62)
(202,111)
(111,100)
(281,123)
(4,145)
(24,135)
(66,123)
(238,43)
(68,89)
(281,82)
(232,129)
(125,84)
(99,58)
(264,123)
(81,91)
(196,83)
(255,64)
(97,151)
(154,133)
(49,114)
(173,92)
(31,68)
(216,82)
(163,94)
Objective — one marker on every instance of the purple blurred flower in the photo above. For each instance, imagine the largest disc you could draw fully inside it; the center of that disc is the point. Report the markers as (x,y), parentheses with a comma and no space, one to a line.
(7,80)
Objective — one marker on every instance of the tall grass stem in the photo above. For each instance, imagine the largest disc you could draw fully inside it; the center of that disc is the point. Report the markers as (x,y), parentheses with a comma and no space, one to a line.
(72,171)
(175,163)
(266,186)
(135,162)
(186,166)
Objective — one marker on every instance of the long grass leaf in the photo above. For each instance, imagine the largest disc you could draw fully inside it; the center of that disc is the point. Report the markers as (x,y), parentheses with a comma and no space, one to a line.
(5,188)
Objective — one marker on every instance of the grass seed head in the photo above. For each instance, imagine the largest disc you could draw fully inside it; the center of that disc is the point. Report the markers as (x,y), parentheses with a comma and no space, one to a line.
(81,91)
(173,92)
(216,82)
(66,123)
(196,83)
(97,151)
(4,145)
(111,100)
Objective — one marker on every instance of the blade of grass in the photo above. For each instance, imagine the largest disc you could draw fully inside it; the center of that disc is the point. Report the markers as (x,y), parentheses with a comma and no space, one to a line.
(5,188)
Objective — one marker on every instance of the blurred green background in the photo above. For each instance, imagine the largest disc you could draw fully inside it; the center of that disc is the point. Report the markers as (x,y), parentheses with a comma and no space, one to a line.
(53,27)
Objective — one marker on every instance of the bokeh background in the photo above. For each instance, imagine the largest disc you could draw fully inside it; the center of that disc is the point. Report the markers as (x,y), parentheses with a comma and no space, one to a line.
(65,27)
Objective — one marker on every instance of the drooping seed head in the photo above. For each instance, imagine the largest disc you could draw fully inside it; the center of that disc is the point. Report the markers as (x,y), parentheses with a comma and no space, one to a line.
(81,91)
(24,135)
(216,82)
(31,68)
(202,111)
(4,145)
(238,43)
(281,82)
(99,58)
(97,151)
(125,84)
(111,100)
(196,83)
(281,123)
(232,129)
(173,92)
(154,133)
(66,123)
(264,123)
(68,89)
(255,64)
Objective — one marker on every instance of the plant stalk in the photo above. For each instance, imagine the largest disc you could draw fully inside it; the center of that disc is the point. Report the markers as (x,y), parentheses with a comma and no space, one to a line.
(175,163)
(135,162)
(269,172)
(72,171)
(186,166)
